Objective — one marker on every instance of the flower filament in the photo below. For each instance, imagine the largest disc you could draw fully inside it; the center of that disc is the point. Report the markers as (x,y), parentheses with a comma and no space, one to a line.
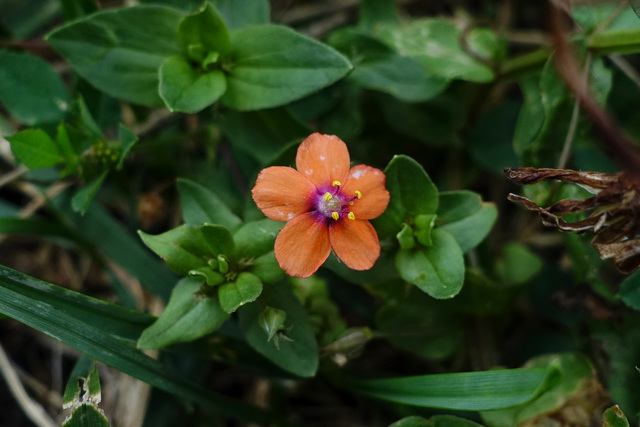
(335,204)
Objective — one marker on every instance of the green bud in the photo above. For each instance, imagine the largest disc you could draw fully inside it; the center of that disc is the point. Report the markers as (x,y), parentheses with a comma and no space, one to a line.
(272,321)
(211,59)
(223,264)
(405,237)
(212,278)
(424,237)
(425,221)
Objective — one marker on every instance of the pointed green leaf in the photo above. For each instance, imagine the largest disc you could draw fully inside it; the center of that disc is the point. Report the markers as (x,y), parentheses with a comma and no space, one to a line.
(35,149)
(435,421)
(185,318)
(204,31)
(189,247)
(118,55)
(127,140)
(243,13)
(246,288)
(256,238)
(75,391)
(185,89)
(30,89)
(86,416)
(436,43)
(35,309)
(573,379)
(412,193)
(437,270)
(614,417)
(83,197)
(299,353)
(465,391)
(104,235)
(201,205)
(275,65)
(466,217)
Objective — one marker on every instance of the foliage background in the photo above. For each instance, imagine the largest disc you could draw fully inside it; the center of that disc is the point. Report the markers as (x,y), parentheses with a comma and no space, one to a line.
(91,155)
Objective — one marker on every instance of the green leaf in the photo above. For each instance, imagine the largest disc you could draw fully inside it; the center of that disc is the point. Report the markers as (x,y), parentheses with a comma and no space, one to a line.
(419,324)
(83,197)
(635,5)
(188,247)
(127,140)
(37,311)
(466,391)
(436,44)
(246,288)
(86,415)
(67,149)
(412,193)
(256,238)
(35,149)
(573,382)
(630,291)
(74,392)
(82,394)
(22,18)
(435,421)
(243,13)
(466,217)
(376,12)
(614,417)
(272,66)
(202,33)
(73,9)
(185,90)
(114,320)
(378,67)
(186,317)
(272,321)
(518,264)
(117,243)
(200,205)
(116,54)
(435,123)
(266,267)
(491,139)
(263,134)
(437,270)
(31,90)
(299,353)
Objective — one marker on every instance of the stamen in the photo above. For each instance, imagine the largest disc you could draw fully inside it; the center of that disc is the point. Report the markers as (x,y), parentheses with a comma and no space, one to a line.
(351,216)
(327,196)
(335,215)
(336,183)
(358,194)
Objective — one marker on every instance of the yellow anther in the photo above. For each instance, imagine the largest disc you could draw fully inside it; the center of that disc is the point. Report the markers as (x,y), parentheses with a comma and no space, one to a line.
(337,183)
(358,194)
(327,196)
(351,216)
(335,215)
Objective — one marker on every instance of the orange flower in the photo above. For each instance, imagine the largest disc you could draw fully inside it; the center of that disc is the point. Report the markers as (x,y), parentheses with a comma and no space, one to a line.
(327,205)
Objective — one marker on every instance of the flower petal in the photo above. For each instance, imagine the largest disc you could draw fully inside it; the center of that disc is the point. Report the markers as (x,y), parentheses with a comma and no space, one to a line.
(323,159)
(355,243)
(370,183)
(282,193)
(303,245)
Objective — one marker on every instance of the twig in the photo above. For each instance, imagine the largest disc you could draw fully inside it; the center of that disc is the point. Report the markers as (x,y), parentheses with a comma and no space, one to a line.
(32,409)
(621,147)
(14,174)
(626,68)
(573,124)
